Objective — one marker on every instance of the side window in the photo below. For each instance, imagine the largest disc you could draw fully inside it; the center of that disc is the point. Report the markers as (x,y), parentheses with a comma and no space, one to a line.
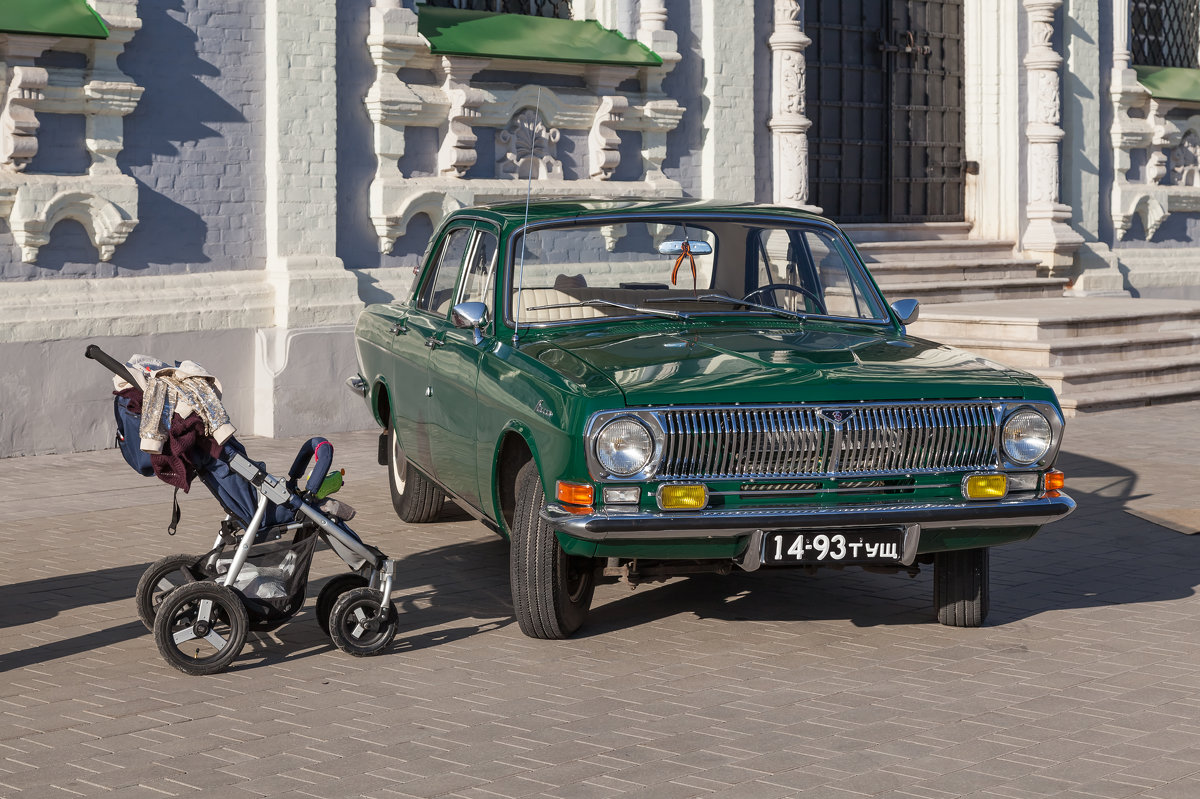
(846,294)
(481,270)
(438,292)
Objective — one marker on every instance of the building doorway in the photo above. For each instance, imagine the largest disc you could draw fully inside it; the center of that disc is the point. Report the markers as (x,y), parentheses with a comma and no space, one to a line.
(885,96)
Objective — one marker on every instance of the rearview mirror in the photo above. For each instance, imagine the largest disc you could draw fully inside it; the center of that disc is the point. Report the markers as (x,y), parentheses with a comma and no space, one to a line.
(676,247)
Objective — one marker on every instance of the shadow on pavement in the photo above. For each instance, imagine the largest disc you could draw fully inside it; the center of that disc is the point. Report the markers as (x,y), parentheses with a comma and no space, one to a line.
(435,588)
(1097,557)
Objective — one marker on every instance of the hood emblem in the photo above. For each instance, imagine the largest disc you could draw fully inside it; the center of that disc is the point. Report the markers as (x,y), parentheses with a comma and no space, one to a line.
(836,418)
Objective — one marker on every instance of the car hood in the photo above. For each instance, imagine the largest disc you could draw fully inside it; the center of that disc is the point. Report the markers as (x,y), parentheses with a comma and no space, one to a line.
(811,365)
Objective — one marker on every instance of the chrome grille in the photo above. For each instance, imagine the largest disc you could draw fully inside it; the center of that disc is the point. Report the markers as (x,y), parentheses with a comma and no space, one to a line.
(803,441)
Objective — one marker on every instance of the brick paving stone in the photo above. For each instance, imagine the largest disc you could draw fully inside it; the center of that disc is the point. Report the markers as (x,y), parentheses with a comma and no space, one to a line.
(1083,683)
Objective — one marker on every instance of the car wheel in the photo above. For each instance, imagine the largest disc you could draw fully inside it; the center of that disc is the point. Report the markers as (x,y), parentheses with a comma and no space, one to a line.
(551,590)
(960,587)
(414,496)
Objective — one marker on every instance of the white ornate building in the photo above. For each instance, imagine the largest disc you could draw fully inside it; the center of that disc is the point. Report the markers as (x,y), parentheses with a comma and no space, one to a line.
(232,182)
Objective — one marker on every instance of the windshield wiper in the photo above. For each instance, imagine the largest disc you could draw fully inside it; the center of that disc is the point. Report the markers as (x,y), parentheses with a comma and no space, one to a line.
(623,306)
(781,312)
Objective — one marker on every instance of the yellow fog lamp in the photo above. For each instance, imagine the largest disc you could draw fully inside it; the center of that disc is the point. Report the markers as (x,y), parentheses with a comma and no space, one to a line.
(682,497)
(985,486)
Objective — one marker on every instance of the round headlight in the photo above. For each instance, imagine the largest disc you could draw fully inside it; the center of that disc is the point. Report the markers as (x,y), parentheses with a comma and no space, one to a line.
(624,446)
(1027,437)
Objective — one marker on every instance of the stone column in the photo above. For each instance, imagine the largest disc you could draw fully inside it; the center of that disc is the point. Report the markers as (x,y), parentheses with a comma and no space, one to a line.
(727,51)
(789,126)
(303,358)
(1048,236)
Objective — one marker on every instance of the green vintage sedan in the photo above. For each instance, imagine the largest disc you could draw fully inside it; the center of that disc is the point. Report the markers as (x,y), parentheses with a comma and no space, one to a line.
(635,390)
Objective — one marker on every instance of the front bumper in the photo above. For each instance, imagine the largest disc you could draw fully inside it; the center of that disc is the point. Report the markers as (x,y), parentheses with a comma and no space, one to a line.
(605,524)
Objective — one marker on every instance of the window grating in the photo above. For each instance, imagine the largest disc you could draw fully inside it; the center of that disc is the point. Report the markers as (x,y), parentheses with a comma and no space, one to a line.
(559,9)
(1165,33)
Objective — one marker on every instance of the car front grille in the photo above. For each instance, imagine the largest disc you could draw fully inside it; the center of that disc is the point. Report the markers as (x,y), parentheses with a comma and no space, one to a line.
(795,441)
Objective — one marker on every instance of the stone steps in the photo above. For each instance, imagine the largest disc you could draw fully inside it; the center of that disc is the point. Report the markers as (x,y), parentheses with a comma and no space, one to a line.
(1080,350)
(935,292)
(1107,399)
(964,252)
(888,272)
(1096,353)
(938,264)
(866,232)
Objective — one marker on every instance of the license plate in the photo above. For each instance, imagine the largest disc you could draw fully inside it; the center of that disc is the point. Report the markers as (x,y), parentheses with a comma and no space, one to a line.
(873,545)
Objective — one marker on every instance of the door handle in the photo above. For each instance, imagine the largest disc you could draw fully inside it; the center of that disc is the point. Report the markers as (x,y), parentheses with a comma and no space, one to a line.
(399,327)
(433,343)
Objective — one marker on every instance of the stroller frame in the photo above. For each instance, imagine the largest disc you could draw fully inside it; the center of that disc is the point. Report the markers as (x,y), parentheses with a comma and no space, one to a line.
(350,605)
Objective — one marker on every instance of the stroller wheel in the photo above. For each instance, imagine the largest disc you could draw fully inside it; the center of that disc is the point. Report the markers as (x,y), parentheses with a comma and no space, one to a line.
(200,628)
(161,578)
(331,592)
(356,625)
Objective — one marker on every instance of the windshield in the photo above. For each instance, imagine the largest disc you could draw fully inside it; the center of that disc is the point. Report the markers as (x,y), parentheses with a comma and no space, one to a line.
(671,267)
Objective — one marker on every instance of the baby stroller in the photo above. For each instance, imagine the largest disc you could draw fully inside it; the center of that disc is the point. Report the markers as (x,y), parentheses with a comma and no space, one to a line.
(200,607)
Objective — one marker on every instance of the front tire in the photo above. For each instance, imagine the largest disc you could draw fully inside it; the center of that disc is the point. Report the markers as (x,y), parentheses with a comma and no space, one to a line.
(356,625)
(551,590)
(197,645)
(414,496)
(960,587)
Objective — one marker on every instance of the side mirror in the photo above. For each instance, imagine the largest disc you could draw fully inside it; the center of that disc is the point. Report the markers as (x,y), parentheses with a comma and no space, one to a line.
(473,315)
(907,310)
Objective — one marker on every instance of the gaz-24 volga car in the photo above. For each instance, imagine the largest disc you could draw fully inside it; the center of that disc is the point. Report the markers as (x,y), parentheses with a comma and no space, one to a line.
(639,390)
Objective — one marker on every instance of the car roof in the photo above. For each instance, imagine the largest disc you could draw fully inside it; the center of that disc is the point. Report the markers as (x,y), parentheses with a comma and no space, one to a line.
(514,213)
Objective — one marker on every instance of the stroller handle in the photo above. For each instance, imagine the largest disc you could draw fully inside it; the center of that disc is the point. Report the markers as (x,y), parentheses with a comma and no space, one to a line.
(322,450)
(113,365)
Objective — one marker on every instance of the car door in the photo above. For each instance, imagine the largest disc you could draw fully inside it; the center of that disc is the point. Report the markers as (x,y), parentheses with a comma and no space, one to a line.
(453,378)
(422,330)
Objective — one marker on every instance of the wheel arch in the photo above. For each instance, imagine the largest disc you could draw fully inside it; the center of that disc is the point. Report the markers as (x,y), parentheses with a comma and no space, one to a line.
(381,403)
(514,449)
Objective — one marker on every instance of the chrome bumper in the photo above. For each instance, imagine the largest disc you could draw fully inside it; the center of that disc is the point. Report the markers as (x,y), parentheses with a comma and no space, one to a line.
(607,524)
(357,385)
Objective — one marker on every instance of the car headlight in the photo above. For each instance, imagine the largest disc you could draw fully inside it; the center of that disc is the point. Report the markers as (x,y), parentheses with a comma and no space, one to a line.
(1027,437)
(624,446)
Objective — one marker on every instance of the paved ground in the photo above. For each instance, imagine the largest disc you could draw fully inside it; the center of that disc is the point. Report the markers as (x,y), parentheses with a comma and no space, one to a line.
(1084,683)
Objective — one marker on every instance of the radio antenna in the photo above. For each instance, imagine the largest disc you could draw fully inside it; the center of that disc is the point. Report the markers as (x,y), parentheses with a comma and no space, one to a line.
(537,115)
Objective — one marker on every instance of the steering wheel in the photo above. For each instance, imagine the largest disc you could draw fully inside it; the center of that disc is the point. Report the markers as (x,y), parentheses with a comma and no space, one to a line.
(787,287)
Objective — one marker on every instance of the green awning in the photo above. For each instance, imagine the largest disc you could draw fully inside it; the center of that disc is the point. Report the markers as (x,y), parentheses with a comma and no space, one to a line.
(1170,83)
(51,18)
(452,31)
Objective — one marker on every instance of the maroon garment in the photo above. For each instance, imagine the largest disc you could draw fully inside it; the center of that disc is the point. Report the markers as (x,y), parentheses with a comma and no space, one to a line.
(174,464)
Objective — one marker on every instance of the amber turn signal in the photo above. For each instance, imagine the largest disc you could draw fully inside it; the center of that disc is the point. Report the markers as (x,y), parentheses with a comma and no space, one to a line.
(985,486)
(574,493)
(682,497)
(1054,481)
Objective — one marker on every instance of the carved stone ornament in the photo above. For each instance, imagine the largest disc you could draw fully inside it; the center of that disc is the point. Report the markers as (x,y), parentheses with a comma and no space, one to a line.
(18,122)
(103,199)
(529,148)
(467,97)
(1185,161)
